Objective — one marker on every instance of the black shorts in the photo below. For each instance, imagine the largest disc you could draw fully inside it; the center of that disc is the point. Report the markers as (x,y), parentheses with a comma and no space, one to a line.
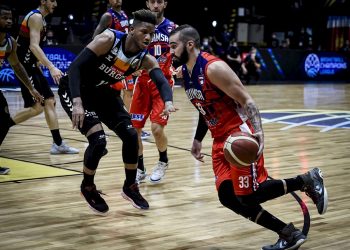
(4,109)
(40,84)
(101,104)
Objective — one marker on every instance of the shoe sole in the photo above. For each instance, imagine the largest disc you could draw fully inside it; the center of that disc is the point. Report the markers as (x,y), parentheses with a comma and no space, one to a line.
(325,193)
(93,209)
(132,202)
(155,182)
(297,245)
(64,153)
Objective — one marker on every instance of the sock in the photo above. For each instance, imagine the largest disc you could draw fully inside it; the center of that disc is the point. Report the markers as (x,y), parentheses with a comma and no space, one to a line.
(140,163)
(294,184)
(130,177)
(269,221)
(88,180)
(163,156)
(56,136)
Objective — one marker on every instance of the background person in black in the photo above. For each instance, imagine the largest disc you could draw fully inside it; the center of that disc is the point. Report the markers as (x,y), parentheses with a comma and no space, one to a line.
(251,66)
(8,47)
(30,39)
(233,57)
(88,100)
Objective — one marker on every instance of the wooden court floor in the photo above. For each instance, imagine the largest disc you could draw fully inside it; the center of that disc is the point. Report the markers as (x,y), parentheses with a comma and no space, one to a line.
(306,125)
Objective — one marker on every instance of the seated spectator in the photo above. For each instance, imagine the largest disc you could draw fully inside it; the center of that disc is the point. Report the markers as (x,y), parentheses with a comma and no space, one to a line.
(274,42)
(233,57)
(50,38)
(206,46)
(251,66)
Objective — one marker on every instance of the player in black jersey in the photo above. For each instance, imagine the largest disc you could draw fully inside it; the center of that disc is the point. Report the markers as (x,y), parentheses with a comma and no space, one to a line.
(88,100)
(8,47)
(31,36)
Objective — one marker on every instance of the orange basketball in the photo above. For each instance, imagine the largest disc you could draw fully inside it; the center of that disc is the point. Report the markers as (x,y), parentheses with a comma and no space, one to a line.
(240,149)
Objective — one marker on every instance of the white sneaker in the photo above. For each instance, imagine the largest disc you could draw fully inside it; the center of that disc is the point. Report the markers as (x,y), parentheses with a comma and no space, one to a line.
(145,135)
(158,172)
(140,175)
(62,149)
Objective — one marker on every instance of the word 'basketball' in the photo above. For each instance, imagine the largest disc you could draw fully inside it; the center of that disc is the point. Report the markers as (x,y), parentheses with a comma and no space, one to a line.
(241,149)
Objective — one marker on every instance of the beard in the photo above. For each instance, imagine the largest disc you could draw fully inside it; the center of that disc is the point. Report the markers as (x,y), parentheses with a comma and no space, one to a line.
(5,29)
(183,59)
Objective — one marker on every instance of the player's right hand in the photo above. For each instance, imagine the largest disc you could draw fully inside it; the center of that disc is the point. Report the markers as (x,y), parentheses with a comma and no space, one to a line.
(169,108)
(56,74)
(78,113)
(196,150)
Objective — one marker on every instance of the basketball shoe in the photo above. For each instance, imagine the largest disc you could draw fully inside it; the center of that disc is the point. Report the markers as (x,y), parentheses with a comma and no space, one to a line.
(290,238)
(62,149)
(315,189)
(145,135)
(133,195)
(158,172)
(4,170)
(94,199)
(140,175)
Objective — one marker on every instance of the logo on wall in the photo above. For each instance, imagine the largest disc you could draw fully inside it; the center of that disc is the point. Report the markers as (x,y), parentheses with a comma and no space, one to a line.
(324,64)
(312,65)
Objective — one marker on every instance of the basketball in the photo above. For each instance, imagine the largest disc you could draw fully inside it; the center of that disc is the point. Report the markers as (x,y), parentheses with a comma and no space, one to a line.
(240,149)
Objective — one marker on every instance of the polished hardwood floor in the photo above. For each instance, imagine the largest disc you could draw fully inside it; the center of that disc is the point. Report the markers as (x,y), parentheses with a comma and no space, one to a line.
(306,125)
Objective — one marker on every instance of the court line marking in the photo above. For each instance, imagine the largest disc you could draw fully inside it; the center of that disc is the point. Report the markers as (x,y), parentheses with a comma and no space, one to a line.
(314,120)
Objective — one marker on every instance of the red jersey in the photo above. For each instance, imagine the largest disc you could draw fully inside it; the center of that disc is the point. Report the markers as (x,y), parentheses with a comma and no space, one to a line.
(222,114)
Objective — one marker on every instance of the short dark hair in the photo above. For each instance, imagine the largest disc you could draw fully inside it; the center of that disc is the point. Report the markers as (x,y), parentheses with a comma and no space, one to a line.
(5,7)
(144,15)
(187,33)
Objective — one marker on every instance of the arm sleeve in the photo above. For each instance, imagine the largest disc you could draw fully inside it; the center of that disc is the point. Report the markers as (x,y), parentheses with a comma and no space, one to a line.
(85,57)
(202,128)
(162,83)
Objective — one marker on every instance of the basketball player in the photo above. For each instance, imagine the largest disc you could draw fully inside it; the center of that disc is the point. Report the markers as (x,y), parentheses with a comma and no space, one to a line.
(30,38)
(147,101)
(8,47)
(225,107)
(88,100)
(116,18)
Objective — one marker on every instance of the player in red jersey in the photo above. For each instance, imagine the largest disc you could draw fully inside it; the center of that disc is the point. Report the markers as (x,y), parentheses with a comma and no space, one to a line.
(115,18)
(225,107)
(146,101)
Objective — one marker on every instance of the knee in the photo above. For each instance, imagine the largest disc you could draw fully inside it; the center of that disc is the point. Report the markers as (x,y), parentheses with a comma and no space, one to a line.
(95,150)
(36,109)
(50,102)
(228,198)
(248,200)
(157,130)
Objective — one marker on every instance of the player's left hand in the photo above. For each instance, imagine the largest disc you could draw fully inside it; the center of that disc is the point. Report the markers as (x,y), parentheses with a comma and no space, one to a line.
(169,108)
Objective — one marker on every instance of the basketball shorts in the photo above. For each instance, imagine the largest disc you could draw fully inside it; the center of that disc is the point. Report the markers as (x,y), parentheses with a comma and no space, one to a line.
(101,104)
(40,84)
(245,180)
(147,102)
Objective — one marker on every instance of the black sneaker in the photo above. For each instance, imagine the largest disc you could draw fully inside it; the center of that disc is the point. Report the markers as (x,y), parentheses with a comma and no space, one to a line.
(315,189)
(290,238)
(94,199)
(133,195)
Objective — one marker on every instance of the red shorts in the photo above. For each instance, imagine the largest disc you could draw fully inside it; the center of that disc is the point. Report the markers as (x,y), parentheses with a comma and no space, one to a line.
(147,102)
(127,83)
(245,180)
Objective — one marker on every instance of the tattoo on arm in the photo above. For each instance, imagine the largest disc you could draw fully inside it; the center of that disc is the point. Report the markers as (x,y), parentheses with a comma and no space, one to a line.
(21,73)
(254,116)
